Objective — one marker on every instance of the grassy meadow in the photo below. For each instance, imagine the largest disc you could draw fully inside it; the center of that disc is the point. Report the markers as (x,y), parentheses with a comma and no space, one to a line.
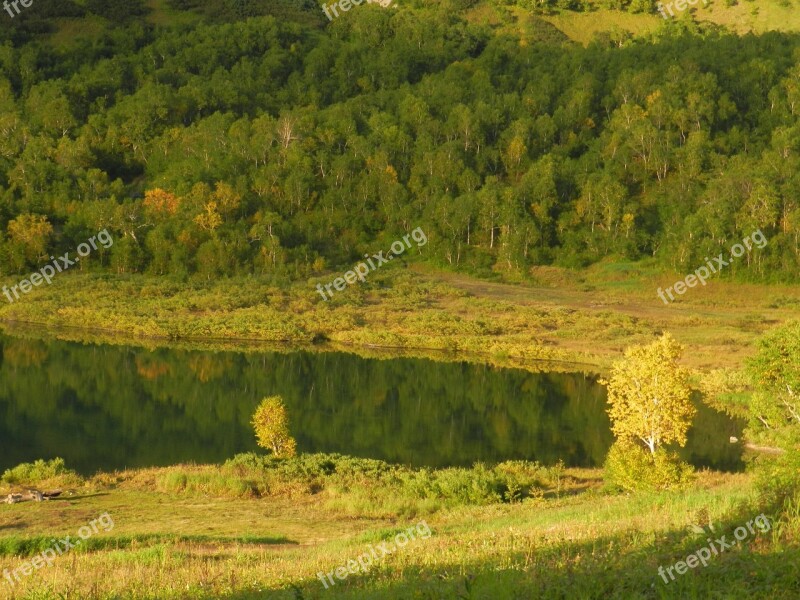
(254,530)
(584,27)
(585,317)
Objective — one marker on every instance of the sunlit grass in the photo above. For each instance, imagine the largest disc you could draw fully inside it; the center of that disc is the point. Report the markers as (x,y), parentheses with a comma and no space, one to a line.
(188,545)
(583,27)
(584,317)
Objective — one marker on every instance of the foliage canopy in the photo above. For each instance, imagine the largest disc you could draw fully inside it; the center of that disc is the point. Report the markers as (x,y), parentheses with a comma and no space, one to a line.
(271,424)
(649,395)
(284,147)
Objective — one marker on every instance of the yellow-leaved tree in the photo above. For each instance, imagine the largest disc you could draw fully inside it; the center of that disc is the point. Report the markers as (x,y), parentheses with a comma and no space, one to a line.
(271,424)
(649,395)
(29,236)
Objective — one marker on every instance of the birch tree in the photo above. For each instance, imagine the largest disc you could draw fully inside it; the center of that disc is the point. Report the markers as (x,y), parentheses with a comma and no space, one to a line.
(649,395)
(271,424)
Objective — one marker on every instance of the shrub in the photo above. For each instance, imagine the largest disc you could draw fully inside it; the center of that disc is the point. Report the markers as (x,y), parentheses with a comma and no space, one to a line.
(633,468)
(203,482)
(510,481)
(460,486)
(526,479)
(777,479)
(38,471)
(249,461)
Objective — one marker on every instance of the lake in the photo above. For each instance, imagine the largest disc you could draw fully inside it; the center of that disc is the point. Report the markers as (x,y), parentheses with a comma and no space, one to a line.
(103,407)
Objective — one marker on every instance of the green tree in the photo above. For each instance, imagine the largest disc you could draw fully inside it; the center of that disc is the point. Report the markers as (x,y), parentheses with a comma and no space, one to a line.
(775,372)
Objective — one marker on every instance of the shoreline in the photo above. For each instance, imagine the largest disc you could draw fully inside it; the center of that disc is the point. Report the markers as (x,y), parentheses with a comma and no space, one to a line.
(552,323)
(45,331)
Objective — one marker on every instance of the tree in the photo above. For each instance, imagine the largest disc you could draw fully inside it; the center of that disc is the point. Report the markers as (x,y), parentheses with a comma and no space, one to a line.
(28,238)
(775,414)
(210,218)
(127,256)
(160,203)
(271,424)
(226,198)
(649,395)
(776,375)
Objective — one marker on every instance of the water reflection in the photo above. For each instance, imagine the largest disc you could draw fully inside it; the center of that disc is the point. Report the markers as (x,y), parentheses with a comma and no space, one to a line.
(108,407)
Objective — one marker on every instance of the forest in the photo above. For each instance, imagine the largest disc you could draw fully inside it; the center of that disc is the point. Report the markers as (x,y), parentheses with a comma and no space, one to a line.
(277,147)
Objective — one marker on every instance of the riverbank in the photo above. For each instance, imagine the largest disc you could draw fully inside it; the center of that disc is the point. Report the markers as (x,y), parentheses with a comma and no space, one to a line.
(217,532)
(583,320)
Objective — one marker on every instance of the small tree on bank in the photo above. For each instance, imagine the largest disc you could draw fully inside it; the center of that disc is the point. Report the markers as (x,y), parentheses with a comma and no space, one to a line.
(649,398)
(271,424)
(649,395)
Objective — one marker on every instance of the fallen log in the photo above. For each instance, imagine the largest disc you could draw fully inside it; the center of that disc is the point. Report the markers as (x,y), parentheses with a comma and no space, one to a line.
(34,495)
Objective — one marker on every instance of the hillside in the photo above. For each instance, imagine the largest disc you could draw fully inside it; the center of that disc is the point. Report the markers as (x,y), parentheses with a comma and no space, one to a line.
(216,146)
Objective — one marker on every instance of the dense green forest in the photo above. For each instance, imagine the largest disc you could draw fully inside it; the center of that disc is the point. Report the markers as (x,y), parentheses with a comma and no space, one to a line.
(289,146)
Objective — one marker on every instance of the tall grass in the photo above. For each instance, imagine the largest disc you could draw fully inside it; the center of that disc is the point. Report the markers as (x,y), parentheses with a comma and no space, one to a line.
(40,471)
(366,486)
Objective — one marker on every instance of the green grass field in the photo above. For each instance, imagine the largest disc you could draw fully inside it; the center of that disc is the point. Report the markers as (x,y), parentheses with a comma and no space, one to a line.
(746,16)
(587,317)
(574,541)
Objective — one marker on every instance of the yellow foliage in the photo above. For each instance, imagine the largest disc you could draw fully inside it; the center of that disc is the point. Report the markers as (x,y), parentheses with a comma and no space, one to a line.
(271,424)
(210,219)
(649,395)
(226,198)
(514,152)
(31,233)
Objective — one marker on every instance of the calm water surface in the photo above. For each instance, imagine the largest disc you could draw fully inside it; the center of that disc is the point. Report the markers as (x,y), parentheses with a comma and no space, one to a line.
(109,407)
